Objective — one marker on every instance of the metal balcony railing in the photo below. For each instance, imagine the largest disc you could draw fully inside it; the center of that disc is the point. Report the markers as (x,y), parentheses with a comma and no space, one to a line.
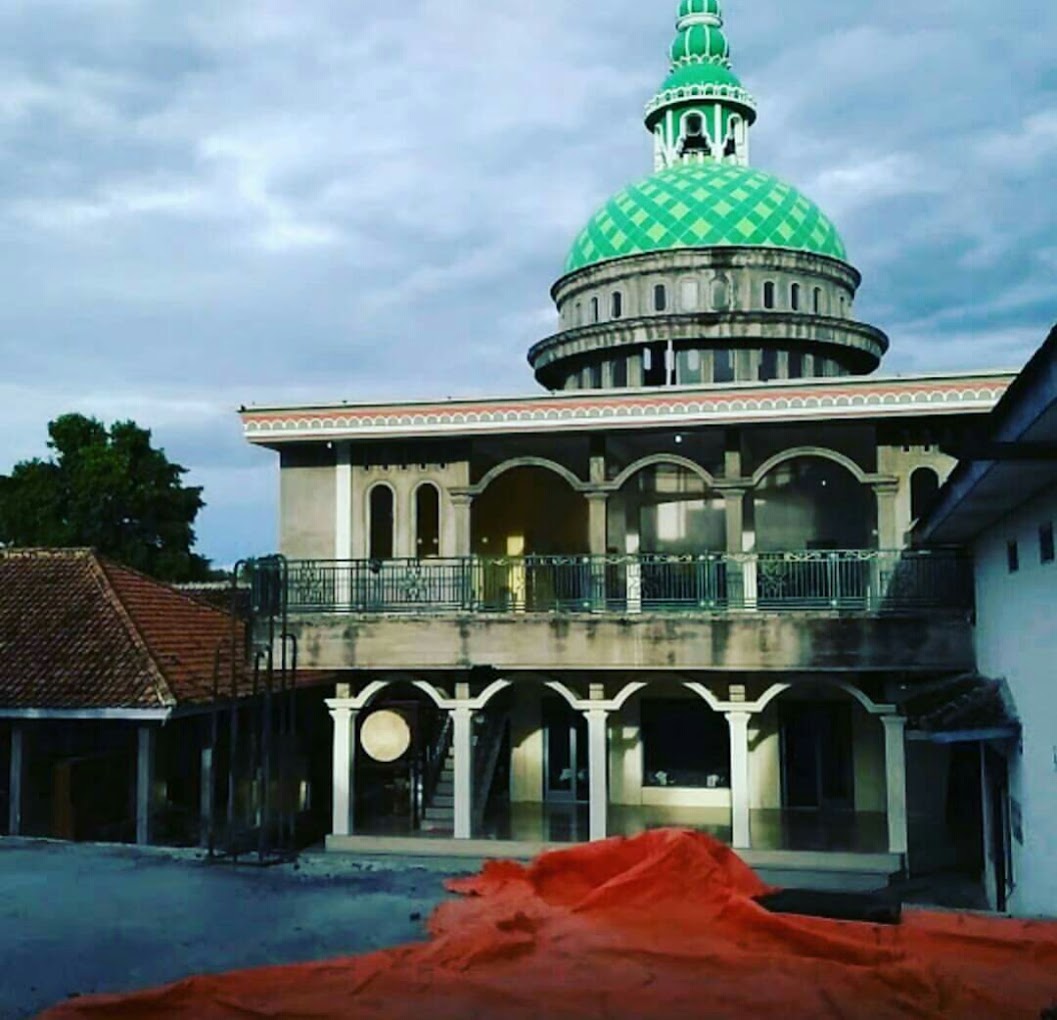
(861,581)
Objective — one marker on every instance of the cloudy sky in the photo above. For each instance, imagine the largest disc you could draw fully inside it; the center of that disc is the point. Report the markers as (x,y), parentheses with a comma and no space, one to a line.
(216,202)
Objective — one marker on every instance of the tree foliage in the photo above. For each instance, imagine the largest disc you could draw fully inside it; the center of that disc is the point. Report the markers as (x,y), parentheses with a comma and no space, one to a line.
(108,489)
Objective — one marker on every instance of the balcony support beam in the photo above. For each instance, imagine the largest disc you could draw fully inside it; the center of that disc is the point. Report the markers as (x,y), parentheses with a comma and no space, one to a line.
(896,774)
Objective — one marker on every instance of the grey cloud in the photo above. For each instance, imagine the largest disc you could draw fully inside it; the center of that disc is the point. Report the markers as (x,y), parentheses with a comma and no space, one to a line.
(207,204)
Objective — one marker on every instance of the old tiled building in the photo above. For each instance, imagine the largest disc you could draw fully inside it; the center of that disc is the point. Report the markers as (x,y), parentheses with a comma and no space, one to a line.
(106,677)
(672,588)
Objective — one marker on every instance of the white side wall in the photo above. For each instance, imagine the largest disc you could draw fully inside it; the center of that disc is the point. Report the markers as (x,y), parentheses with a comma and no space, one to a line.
(1016,638)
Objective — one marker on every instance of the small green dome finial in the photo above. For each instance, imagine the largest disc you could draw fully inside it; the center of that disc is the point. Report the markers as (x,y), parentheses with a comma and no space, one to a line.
(700,37)
(702,87)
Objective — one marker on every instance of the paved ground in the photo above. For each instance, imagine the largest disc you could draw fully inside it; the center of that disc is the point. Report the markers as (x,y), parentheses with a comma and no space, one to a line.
(82,919)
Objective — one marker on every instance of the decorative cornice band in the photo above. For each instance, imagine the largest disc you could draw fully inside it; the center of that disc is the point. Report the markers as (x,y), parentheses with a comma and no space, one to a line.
(662,407)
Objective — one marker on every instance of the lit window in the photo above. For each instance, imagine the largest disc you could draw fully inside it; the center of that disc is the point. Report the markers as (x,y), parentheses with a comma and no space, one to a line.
(617,304)
(660,297)
(1046,549)
(768,294)
(1013,557)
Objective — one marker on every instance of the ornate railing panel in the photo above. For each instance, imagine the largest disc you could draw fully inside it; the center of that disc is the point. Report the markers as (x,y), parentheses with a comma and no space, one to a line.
(869,581)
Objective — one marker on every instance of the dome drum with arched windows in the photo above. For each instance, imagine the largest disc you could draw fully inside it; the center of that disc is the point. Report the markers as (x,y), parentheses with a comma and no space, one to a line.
(706,255)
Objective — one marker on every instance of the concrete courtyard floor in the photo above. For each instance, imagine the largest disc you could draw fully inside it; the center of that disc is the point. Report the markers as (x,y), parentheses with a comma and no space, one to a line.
(80,919)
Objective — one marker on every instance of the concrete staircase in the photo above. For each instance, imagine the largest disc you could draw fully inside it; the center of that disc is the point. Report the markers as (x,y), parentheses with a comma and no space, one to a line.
(439,814)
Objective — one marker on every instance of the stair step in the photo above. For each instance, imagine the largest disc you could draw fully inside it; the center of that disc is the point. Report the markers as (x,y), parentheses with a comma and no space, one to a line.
(441,828)
(444,800)
(445,787)
(433,814)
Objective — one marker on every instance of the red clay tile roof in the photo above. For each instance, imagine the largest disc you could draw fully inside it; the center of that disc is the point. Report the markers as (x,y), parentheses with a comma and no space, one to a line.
(79,632)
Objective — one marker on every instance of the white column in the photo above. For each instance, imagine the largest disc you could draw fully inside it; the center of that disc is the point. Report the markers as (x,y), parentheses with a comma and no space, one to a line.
(896,770)
(144,782)
(462,742)
(343,503)
(343,523)
(598,771)
(205,789)
(462,509)
(740,793)
(14,812)
(888,537)
(343,764)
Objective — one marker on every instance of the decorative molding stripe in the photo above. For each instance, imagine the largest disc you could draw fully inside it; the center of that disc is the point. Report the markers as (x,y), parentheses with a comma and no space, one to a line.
(688,93)
(841,398)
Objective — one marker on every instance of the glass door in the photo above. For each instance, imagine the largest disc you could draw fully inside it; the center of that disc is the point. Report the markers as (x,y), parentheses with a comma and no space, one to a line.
(565,753)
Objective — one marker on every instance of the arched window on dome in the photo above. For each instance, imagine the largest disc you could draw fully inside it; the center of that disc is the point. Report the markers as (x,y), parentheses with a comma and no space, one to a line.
(818,300)
(594,309)
(794,297)
(768,295)
(660,298)
(694,137)
(578,318)
(617,304)
(720,295)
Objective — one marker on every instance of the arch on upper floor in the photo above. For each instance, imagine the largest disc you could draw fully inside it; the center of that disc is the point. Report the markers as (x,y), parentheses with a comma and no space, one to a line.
(871,706)
(654,459)
(527,462)
(497,687)
(818,452)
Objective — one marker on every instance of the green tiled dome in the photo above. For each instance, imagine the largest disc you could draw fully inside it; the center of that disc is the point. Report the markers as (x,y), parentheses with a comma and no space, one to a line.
(705,205)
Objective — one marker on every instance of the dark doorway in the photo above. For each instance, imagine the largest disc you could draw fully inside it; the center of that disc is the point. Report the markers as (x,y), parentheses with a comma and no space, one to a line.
(817,766)
(565,750)
(996,785)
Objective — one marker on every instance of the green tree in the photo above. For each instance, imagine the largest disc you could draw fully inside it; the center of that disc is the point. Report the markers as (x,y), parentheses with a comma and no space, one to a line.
(108,489)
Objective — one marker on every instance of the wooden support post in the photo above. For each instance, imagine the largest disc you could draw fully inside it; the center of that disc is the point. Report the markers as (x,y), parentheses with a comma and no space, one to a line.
(145,746)
(14,804)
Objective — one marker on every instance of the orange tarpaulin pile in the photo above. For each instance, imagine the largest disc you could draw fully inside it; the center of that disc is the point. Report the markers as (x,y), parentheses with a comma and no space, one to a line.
(659,926)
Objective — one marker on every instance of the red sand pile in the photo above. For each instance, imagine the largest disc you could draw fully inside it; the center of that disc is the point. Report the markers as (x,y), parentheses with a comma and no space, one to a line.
(660,926)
